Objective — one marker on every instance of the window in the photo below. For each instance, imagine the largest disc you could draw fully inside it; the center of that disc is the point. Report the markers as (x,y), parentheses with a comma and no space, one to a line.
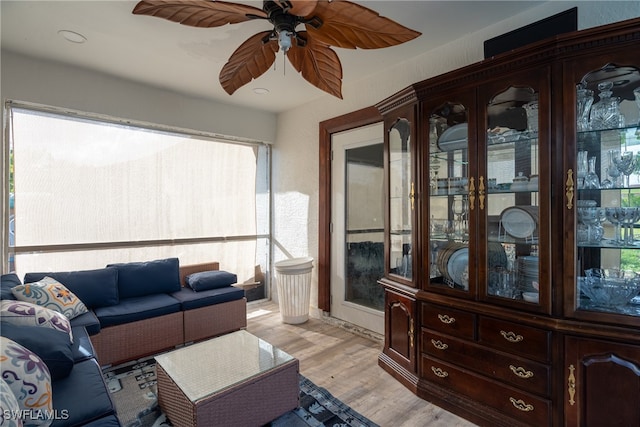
(87,191)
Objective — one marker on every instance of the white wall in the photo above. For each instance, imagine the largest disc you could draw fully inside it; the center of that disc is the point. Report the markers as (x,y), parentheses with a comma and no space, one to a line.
(51,83)
(295,159)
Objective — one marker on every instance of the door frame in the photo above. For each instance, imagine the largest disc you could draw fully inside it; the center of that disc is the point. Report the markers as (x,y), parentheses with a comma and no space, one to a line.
(355,119)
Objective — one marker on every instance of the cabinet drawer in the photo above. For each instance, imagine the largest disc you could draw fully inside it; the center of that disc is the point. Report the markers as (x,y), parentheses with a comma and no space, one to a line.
(449,320)
(525,374)
(527,341)
(524,407)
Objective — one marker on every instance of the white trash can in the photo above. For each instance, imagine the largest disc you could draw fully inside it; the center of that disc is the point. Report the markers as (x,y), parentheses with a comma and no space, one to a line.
(293,277)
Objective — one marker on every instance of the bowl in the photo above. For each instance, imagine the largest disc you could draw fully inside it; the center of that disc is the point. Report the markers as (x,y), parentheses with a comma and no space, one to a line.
(610,287)
(531,296)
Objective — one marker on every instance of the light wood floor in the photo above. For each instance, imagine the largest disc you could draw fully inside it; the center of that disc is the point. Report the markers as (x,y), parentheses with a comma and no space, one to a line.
(346,364)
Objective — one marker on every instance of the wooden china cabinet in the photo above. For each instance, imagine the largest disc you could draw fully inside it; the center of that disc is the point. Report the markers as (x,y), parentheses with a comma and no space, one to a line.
(513,190)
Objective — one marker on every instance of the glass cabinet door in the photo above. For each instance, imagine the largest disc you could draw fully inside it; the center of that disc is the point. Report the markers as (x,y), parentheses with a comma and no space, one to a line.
(402,200)
(449,205)
(607,188)
(509,195)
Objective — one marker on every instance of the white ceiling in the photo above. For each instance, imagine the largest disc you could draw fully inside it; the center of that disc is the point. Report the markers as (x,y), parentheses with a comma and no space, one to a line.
(165,54)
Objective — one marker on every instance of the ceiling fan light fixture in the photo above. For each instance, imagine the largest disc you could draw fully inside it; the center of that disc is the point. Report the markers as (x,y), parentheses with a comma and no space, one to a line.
(284,40)
(72,36)
(260,90)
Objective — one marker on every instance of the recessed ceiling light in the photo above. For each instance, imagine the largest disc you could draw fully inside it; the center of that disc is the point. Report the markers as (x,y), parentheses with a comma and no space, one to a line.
(260,90)
(72,36)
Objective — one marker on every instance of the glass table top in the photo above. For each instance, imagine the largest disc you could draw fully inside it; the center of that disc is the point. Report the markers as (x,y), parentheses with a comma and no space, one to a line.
(209,367)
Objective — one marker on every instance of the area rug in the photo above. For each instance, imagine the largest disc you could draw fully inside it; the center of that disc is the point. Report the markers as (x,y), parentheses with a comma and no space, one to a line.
(133,390)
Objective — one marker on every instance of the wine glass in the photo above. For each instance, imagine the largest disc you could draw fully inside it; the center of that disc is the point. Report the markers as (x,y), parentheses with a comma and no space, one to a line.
(459,207)
(613,217)
(612,171)
(627,217)
(626,163)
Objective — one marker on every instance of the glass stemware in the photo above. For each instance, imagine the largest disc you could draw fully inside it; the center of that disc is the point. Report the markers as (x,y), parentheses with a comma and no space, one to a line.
(612,171)
(612,215)
(459,207)
(626,163)
(628,216)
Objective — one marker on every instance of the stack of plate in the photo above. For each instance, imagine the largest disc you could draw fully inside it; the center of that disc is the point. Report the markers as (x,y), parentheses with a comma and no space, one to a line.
(452,261)
(527,272)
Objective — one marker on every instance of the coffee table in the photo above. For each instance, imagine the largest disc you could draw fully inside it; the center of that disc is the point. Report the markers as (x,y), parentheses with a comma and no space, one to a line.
(233,380)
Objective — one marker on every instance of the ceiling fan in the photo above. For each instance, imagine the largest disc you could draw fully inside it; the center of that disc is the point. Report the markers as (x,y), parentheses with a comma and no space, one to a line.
(338,23)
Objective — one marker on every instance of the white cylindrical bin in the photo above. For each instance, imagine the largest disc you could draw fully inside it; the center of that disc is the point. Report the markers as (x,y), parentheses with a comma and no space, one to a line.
(293,277)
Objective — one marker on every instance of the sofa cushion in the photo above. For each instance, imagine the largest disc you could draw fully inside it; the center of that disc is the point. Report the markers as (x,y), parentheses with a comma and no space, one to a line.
(136,279)
(82,396)
(7,282)
(95,288)
(52,294)
(28,377)
(190,299)
(52,346)
(205,280)
(137,308)
(82,348)
(25,313)
(87,320)
(8,405)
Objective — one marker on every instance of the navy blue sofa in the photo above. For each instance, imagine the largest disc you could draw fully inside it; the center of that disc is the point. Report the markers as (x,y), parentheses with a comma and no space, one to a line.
(135,310)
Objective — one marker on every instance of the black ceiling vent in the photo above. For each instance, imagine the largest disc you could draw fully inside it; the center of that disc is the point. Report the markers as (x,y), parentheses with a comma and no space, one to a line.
(563,22)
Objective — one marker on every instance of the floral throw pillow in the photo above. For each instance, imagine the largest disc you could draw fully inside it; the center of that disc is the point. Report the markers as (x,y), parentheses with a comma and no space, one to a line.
(9,407)
(52,294)
(25,313)
(28,378)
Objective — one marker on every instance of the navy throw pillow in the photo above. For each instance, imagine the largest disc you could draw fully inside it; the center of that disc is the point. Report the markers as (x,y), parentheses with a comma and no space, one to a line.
(8,281)
(95,288)
(137,279)
(214,279)
(53,347)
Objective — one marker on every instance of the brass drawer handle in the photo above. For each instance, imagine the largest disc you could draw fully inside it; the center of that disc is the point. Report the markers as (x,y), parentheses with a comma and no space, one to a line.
(520,372)
(439,345)
(446,319)
(439,372)
(511,336)
(521,405)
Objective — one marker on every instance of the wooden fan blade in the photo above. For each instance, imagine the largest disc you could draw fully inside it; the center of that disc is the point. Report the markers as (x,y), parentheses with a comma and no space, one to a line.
(318,63)
(349,25)
(199,13)
(249,61)
(299,7)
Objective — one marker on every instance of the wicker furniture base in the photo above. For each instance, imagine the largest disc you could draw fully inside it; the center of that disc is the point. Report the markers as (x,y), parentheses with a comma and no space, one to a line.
(214,320)
(128,341)
(233,380)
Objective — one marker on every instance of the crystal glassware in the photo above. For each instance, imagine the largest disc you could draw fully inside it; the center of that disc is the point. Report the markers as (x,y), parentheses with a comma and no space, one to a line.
(584,101)
(612,216)
(591,179)
(605,114)
(626,163)
(583,167)
(610,287)
(628,216)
